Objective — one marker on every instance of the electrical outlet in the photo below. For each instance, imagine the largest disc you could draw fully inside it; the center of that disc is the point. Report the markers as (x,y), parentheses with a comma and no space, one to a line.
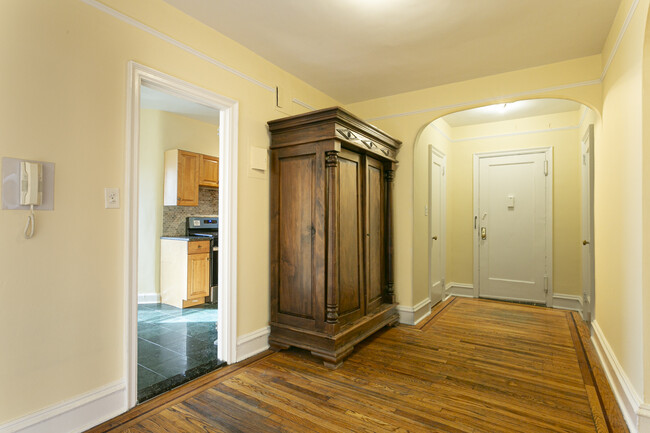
(111,198)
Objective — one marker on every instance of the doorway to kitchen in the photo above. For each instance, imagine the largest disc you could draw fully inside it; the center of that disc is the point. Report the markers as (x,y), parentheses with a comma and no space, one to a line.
(181,215)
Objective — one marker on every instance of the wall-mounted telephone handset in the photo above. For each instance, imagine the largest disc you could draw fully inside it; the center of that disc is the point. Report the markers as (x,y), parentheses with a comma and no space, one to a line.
(31,183)
(31,191)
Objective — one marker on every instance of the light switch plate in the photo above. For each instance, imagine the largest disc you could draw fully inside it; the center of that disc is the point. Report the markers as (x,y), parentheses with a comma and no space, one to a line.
(259,158)
(111,198)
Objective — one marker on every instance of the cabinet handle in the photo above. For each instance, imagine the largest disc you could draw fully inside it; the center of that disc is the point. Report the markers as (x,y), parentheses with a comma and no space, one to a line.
(368,234)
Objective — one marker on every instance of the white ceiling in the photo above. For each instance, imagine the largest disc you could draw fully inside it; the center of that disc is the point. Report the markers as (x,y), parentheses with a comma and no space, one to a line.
(157,100)
(356,50)
(510,111)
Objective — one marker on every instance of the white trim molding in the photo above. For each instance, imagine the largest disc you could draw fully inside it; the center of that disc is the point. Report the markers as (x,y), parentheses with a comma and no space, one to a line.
(139,75)
(567,302)
(635,412)
(414,315)
(148,298)
(74,415)
(459,289)
(253,343)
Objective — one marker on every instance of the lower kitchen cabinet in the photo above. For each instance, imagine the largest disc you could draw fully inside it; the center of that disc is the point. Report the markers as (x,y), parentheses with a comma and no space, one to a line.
(184,272)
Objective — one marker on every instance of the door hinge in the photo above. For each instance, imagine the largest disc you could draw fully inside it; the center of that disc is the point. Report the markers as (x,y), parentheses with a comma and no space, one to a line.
(545,168)
(545,284)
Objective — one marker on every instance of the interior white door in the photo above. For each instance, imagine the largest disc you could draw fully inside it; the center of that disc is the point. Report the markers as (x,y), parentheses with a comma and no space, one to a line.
(587,244)
(512,227)
(436,226)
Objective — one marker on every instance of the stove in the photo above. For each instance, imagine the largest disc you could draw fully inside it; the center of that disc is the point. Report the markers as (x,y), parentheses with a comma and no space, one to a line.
(208,227)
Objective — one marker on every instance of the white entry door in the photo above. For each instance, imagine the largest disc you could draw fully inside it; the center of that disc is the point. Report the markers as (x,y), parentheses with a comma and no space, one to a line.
(436,225)
(587,241)
(511,226)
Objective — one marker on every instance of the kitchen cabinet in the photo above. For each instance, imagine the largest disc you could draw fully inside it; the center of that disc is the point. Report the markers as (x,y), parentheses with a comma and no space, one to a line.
(184,271)
(181,187)
(331,232)
(184,173)
(209,173)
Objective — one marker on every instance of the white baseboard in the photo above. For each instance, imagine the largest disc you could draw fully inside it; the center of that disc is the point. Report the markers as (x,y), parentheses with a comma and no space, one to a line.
(459,289)
(636,414)
(148,298)
(568,302)
(253,343)
(75,415)
(413,315)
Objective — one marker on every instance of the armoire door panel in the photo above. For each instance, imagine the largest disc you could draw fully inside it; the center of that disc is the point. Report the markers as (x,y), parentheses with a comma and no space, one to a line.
(374,232)
(350,240)
(295,235)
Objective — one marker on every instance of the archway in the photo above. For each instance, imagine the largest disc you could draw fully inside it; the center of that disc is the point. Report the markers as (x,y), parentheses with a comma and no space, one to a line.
(556,123)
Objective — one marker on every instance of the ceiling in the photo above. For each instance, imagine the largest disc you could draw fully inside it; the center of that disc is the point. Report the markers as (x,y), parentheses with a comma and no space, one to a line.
(355,50)
(157,100)
(511,111)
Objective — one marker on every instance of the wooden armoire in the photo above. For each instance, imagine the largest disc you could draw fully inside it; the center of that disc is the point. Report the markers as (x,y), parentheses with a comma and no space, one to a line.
(331,232)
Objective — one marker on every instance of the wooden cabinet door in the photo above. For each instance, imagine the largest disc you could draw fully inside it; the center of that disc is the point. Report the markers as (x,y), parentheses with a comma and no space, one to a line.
(374,225)
(297,246)
(209,171)
(350,224)
(188,179)
(198,275)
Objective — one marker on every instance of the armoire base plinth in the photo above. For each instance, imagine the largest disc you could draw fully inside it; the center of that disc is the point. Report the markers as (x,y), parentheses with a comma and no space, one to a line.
(333,349)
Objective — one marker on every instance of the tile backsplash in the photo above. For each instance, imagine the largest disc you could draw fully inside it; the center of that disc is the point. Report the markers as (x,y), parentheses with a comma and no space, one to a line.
(174,216)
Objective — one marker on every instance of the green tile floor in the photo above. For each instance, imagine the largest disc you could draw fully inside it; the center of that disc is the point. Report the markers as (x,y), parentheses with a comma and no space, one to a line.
(174,346)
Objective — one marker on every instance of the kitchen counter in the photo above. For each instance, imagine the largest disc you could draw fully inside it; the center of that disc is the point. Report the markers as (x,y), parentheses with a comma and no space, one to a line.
(186,238)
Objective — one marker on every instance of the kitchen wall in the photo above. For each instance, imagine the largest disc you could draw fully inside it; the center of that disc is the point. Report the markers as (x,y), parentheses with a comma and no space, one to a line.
(174,217)
(161,131)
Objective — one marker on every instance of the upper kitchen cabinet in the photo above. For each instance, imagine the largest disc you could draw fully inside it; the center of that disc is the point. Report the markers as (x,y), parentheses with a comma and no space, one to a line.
(209,174)
(181,178)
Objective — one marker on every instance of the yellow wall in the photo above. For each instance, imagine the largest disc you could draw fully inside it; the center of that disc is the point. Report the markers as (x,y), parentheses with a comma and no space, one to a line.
(560,131)
(567,277)
(618,203)
(618,171)
(406,115)
(161,131)
(434,134)
(64,63)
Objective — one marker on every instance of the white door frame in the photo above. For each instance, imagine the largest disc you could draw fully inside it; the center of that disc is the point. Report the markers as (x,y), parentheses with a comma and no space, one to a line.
(548,152)
(589,287)
(443,219)
(229,120)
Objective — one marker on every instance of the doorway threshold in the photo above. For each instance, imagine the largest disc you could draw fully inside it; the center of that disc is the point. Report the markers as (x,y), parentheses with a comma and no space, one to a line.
(178,380)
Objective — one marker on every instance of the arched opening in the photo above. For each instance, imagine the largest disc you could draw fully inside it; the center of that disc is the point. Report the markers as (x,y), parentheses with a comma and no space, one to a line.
(452,225)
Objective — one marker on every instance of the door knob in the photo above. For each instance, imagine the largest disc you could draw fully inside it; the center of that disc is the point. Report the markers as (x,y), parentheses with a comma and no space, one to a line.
(585,242)
(483,233)
(435,238)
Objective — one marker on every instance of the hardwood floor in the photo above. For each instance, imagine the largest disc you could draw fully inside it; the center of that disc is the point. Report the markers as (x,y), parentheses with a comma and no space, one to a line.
(473,366)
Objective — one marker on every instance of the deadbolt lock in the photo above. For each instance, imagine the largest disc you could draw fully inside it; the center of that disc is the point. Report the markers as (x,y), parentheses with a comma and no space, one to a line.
(585,242)
(483,233)
(435,238)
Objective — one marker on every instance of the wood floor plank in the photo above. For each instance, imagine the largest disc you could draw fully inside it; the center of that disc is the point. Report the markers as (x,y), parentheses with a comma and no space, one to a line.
(473,366)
